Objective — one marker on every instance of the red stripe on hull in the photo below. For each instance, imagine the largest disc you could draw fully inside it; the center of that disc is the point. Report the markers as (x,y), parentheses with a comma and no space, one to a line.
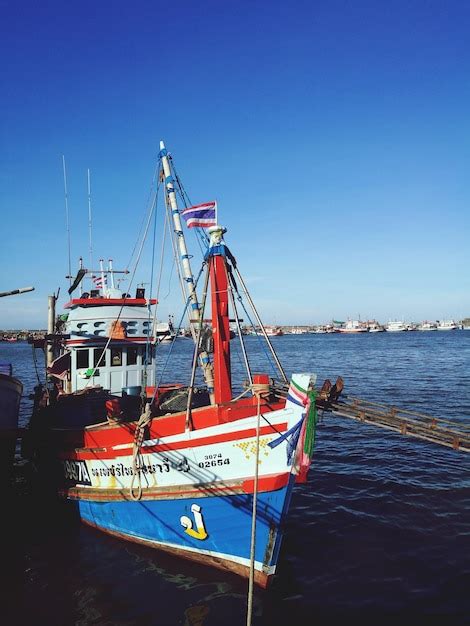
(109,435)
(105,454)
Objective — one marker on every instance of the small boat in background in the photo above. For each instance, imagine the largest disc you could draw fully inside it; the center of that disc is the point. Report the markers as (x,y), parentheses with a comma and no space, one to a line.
(165,332)
(273,331)
(353,326)
(298,330)
(427,326)
(10,395)
(395,327)
(447,325)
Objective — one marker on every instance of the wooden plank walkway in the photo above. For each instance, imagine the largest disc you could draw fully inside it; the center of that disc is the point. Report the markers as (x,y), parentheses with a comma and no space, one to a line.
(410,423)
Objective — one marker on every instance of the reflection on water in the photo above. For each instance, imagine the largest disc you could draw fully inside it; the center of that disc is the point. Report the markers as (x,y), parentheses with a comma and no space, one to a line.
(381,528)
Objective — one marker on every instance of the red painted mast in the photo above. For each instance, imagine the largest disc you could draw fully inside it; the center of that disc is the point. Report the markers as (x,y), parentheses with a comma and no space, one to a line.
(220,316)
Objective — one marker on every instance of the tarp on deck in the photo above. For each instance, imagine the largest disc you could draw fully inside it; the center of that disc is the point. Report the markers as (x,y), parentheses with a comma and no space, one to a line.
(60,366)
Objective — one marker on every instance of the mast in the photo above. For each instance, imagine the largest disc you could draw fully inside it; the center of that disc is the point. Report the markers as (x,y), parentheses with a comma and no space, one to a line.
(50,330)
(195,314)
(220,316)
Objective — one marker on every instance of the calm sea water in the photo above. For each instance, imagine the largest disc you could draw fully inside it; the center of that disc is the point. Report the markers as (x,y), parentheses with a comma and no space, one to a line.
(380,533)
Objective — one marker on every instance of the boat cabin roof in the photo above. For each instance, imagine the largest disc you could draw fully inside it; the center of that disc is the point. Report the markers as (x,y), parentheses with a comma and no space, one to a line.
(101,301)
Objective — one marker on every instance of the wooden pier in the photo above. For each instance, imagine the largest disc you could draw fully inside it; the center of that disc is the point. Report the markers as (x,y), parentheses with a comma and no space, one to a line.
(408,423)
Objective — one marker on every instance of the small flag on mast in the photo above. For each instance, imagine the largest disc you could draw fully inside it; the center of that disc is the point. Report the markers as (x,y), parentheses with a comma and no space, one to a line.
(201,215)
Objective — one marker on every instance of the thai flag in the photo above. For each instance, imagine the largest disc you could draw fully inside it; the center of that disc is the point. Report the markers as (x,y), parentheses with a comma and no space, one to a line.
(201,215)
(100,282)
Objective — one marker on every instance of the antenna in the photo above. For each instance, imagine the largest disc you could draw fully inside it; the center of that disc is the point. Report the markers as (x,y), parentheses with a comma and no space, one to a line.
(110,269)
(67,223)
(89,220)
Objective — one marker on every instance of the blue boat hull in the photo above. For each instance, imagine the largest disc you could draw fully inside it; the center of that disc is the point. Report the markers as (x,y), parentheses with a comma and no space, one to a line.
(226,536)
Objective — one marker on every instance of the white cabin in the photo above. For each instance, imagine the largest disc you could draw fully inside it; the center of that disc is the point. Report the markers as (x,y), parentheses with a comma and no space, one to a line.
(128,357)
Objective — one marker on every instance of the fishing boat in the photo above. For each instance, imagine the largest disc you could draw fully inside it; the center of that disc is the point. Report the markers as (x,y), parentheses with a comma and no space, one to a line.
(267,331)
(10,395)
(11,390)
(353,326)
(427,326)
(298,330)
(273,331)
(202,471)
(375,327)
(396,327)
(165,332)
(447,325)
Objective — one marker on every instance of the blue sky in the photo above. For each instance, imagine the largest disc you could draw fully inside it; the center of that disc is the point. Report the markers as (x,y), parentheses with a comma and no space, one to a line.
(334,135)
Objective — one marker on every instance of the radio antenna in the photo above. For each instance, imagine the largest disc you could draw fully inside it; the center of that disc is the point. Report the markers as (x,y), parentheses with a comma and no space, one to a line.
(67,223)
(89,221)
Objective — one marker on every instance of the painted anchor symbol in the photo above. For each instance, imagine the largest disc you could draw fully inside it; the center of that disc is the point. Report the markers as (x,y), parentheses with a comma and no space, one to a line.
(187,524)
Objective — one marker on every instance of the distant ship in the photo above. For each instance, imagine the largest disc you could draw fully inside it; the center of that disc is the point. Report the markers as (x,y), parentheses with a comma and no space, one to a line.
(273,331)
(353,326)
(395,327)
(427,326)
(447,325)
(376,328)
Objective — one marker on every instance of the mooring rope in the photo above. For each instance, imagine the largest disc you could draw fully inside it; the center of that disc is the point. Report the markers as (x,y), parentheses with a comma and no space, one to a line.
(258,390)
(144,421)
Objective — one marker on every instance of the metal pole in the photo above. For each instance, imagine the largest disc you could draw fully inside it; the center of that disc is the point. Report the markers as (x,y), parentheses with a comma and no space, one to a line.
(186,267)
(14,292)
(102,276)
(50,330)
(111,272)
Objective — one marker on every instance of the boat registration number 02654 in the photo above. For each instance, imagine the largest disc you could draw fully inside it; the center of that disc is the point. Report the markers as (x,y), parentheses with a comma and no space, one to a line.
(213,460)
(77,472)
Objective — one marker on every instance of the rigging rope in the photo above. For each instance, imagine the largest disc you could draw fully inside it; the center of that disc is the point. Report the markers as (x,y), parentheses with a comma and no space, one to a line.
(173,342)
(155,175)
(157,295)
(253,516)
(130,284)
(149,306)
(197,345)
(202,237)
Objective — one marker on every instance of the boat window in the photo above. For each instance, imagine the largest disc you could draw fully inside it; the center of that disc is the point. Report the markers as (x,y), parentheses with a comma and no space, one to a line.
(82,359)
(131,356)
(116,357)
(97,352)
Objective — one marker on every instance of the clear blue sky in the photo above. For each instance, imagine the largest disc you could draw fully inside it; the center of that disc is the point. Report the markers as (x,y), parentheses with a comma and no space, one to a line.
(334,135)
